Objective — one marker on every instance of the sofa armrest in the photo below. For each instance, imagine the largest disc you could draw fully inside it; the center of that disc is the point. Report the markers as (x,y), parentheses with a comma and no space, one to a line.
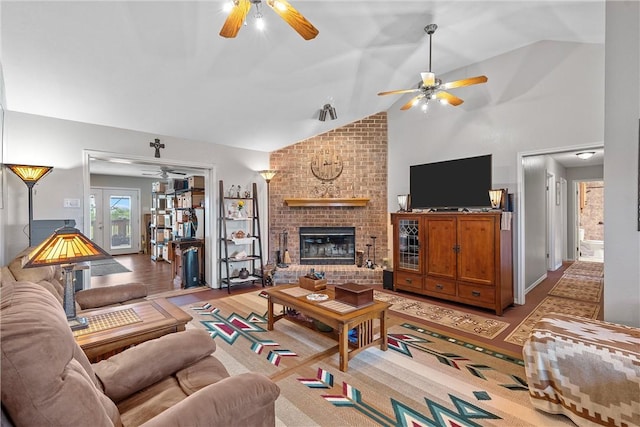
(240,400)
(145,364)
(109,295)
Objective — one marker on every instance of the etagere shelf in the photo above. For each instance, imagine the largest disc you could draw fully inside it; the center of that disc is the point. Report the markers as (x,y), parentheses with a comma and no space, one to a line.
(240,241)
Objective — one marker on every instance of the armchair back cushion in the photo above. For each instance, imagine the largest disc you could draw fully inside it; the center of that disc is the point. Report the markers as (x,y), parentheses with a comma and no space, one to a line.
(62,391)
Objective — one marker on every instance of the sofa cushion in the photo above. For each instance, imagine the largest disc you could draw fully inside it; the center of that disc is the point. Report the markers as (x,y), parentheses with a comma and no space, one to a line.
(62,391)
(126,373)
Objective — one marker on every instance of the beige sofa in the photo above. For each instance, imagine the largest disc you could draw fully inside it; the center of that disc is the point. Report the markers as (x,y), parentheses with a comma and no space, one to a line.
(46,379)
(50,278)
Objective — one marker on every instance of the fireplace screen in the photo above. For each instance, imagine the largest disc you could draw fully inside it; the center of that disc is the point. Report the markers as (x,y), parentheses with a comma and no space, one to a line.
(327,245)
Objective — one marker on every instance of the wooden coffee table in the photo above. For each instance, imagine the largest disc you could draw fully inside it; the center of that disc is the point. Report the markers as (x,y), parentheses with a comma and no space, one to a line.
(339,316)
(114,329)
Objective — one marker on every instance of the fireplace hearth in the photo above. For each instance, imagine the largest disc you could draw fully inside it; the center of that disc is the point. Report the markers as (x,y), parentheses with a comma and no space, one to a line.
(327,245)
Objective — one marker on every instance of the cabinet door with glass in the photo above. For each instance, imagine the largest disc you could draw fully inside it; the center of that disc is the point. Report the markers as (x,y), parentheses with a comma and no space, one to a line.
(408,254)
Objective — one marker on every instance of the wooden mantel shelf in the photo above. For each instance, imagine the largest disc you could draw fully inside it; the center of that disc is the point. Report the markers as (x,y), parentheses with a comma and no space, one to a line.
(327,202)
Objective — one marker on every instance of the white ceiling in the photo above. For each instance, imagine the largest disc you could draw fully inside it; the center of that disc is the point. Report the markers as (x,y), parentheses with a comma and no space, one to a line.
(161,67)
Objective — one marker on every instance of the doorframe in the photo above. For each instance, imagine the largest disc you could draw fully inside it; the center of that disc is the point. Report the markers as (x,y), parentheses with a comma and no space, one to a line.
(550,220)
(209,172)
(576,214)
(520,290)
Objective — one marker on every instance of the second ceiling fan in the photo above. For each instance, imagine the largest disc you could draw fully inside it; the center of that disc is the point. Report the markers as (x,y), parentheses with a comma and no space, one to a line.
(240,9)
(431,87)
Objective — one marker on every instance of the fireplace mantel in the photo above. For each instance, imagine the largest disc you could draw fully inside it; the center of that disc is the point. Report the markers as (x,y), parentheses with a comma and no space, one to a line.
(327,202)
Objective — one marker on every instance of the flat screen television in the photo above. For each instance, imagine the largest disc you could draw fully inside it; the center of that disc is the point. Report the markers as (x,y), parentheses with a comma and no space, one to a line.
(451,184)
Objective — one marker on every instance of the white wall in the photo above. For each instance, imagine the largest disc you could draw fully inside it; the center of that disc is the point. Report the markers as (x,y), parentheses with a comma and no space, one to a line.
(41,140)
(535,181)
(622,112)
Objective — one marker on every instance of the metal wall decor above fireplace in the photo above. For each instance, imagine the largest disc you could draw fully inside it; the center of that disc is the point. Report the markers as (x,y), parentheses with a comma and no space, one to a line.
(327,245)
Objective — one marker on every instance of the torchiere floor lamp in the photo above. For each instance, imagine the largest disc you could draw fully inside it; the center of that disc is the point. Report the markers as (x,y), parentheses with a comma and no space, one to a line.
(268,175)
(30,175)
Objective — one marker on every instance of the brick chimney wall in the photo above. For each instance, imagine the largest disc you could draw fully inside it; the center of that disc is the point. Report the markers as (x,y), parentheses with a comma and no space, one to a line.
(362,147)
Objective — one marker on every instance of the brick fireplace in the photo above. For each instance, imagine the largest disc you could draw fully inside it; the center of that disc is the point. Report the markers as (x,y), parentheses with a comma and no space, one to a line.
(361,147)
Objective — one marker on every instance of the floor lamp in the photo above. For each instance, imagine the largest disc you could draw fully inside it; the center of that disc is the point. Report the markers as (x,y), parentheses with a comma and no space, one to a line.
(30,175)
(268,175)
(66,247)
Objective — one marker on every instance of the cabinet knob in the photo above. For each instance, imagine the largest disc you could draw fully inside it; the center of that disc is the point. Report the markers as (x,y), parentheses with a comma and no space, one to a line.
(408,280)
(439,286)
(475,293)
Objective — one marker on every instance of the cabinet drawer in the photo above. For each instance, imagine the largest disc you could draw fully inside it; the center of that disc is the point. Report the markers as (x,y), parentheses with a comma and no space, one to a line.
(408,280)
(440,286)
(484,294)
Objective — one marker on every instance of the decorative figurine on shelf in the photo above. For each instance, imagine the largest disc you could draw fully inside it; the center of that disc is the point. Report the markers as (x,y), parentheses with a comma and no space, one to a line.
(232,191)
(247,193)
(244,273)
(238,191)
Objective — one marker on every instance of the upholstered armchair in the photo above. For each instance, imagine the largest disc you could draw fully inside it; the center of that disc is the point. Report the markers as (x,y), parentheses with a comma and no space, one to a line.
(174,380)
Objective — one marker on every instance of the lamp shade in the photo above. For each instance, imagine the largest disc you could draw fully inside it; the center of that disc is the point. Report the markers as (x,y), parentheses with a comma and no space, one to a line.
(495,196)
(268,174)
(65,246)
(29,174)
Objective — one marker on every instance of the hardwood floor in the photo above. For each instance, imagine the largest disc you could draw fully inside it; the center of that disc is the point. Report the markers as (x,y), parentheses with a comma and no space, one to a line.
(157,275)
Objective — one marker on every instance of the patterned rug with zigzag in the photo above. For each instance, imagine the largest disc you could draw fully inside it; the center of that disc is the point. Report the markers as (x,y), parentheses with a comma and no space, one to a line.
(424,379)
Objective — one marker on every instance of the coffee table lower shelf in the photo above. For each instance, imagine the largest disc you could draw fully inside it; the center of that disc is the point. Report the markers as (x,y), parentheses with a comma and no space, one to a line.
(362,319)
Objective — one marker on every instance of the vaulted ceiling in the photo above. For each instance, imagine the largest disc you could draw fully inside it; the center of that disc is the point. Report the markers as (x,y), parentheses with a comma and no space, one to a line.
(161,67)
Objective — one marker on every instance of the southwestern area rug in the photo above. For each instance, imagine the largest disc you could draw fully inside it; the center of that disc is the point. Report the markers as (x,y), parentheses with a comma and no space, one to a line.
(424,379)
(104,267)
(460,320)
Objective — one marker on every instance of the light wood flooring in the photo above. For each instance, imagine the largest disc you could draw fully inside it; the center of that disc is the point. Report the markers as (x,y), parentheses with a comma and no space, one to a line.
(157,275)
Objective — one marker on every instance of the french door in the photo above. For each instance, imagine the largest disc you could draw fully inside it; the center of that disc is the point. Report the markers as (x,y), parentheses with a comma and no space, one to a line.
(115,219)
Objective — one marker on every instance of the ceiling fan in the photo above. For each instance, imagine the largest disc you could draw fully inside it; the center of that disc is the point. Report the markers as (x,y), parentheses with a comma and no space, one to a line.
(164,172)
(431,87)
(240,9)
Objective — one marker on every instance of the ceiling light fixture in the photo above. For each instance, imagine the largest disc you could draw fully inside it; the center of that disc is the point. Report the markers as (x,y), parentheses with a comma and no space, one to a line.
(585,155)
(330,109)
(238,10)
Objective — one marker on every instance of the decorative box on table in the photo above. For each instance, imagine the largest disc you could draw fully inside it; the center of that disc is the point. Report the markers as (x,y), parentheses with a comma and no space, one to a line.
(354,294)
(312,284)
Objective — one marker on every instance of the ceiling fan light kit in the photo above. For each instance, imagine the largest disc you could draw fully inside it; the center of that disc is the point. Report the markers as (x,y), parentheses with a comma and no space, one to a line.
(239,9)
(432,88)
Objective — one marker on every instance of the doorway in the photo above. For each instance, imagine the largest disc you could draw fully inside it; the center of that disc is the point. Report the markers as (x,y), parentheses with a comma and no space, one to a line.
(115,219)
(589,214)
(208,170)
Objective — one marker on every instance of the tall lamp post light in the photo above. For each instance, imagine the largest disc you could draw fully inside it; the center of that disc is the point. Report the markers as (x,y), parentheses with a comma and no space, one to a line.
(30,175)
(268,175)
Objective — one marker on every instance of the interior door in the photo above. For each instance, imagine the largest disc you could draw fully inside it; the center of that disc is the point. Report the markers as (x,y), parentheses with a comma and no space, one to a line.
(115,219)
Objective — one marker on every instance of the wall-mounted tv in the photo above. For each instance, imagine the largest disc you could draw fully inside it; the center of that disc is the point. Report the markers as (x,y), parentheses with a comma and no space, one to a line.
(451,184)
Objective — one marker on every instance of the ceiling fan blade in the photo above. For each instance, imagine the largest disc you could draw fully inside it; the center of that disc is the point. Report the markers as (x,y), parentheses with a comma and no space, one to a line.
(294,18)
(412,102)
(451,99)
(235,19)
(464,82)
(394,92)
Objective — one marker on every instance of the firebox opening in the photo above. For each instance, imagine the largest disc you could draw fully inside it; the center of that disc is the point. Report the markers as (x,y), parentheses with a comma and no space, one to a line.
(327,245)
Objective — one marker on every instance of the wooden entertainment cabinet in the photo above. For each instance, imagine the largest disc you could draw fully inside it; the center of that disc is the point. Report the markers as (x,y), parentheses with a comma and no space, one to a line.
(458,256)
